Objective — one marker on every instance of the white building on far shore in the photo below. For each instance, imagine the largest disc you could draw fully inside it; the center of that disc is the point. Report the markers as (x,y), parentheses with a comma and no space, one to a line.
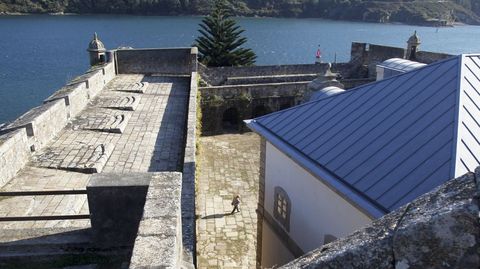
(332,165)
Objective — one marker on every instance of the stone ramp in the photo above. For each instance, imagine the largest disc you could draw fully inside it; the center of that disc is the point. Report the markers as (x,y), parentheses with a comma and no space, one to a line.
(102,120)
(137,87)
(127,102)
(84,158)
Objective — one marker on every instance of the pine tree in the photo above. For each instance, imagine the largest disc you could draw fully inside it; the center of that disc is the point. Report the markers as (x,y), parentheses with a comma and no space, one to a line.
(220,41)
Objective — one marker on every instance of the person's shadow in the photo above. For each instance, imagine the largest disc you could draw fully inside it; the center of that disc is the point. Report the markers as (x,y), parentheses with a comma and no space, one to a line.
(216,216)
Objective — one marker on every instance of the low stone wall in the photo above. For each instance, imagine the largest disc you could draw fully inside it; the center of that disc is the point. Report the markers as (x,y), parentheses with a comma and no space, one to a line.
(216,76)
(40,124)
(14,154)
(188,178)
(172,61)
(159,239)
(370,55)
(430,57)
(437,230)
(80,90)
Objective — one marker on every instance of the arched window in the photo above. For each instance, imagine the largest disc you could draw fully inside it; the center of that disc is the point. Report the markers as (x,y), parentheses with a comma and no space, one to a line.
(282,208)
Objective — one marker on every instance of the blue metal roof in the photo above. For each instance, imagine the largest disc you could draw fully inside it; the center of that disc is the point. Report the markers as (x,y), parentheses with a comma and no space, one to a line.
(392,140)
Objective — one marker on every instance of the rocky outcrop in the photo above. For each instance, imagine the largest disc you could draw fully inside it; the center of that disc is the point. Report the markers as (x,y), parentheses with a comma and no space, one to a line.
(438,230)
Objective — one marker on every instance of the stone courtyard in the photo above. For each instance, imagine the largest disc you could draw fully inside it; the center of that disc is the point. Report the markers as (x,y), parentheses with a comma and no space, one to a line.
(228,165)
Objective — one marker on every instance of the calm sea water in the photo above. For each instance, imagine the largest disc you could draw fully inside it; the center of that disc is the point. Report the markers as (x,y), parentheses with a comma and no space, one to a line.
(39,54)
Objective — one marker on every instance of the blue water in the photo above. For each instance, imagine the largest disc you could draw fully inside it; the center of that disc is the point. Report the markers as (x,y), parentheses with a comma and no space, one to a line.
(39,54)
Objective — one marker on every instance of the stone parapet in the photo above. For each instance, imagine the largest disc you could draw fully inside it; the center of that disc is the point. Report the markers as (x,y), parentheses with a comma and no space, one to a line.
(169,61)
(158,243)
(188,179)
(14,154)
(116,203)
(216,76)
(437,230)
(41,123)
(80,90)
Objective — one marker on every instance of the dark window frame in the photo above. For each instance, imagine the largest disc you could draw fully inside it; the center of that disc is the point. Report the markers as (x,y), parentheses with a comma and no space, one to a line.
(282,207)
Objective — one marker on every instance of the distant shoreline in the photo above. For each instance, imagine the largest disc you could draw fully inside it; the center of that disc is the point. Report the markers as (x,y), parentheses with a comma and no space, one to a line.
(454,24)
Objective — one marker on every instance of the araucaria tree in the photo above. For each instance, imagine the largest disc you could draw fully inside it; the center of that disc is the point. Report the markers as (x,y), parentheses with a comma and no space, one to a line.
(220,42)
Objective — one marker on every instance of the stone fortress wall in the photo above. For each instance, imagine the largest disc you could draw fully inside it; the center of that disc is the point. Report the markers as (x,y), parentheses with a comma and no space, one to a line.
(32,131)
(228,95)
(232,94)
(40,124)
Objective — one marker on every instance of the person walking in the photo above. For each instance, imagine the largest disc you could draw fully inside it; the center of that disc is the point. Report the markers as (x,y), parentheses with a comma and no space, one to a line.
(235,203)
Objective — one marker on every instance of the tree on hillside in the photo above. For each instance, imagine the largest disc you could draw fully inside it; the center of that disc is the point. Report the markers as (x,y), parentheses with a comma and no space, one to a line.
(220,42)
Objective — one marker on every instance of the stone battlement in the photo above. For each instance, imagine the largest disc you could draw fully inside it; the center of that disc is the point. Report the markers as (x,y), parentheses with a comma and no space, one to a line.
(134,113)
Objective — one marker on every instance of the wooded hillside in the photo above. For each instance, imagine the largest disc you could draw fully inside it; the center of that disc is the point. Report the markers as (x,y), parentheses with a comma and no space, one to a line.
(405,11)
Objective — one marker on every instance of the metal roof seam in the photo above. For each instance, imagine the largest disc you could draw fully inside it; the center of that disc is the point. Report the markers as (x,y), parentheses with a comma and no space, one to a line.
(405,159)
(393,125)
(395,205)
(360,125)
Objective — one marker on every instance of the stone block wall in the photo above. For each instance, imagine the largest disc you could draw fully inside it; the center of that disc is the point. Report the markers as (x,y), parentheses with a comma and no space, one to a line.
(216,76)
(174,61)
(79,91)
(188,178)
(370,55)
(430,57)
(14,154)
(159,239)
(75,97)
(41,123)
(246,100)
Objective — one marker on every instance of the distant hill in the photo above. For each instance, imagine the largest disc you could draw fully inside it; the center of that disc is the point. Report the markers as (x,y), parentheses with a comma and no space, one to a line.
(424,12)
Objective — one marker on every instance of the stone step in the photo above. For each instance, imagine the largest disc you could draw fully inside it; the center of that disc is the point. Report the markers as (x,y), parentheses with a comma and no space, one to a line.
(270,79)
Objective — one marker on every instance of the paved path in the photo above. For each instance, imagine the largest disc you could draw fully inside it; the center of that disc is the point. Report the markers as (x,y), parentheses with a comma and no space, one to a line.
(147,139)
(229,165)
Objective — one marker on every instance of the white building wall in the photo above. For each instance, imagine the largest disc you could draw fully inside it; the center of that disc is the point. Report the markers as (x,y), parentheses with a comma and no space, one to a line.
(316,210)
(274,252)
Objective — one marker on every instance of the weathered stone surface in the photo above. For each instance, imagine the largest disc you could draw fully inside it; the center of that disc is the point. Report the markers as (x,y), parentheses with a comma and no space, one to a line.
(441,230)
(103,120)
(438,230)
(116,203)
(14,154)
(229,165)
(155,61)
(159,240)
(76,157)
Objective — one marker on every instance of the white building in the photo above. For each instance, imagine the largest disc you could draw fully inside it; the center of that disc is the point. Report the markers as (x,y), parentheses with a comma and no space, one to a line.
(332,165)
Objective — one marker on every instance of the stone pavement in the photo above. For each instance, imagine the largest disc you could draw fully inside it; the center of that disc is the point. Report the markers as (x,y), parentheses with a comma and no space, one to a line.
(148,138)
(228,165)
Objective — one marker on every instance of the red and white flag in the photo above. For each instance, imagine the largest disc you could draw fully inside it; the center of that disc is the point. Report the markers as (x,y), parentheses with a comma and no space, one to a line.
(319,53)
